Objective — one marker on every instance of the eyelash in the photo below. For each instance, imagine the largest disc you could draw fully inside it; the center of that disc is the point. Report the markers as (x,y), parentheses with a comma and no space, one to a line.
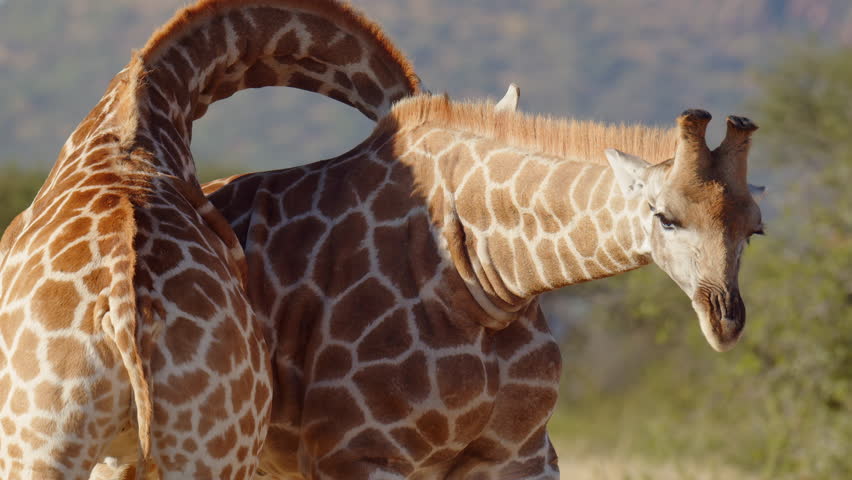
(666,223)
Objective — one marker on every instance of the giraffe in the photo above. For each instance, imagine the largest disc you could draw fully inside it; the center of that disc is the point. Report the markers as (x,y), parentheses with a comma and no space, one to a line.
(402,277)
(119,469)
(122,290)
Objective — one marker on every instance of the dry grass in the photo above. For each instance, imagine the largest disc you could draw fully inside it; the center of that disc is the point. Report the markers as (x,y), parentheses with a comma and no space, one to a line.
(576,464)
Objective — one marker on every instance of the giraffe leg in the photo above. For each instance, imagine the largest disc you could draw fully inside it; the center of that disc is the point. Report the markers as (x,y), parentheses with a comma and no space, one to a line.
(119,462)
(59,417)
(211,410)
(191,458)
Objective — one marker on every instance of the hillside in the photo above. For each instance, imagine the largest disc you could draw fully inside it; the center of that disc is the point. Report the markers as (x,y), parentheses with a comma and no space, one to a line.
(612,59)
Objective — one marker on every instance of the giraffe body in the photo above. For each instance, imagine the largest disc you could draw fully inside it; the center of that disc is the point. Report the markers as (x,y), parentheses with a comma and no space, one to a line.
(122,303)
(382,352)
(387,347)
(401,279)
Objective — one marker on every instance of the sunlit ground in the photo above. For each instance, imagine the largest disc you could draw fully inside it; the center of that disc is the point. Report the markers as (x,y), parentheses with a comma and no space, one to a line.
(593,445)
(594,468)
(577,464)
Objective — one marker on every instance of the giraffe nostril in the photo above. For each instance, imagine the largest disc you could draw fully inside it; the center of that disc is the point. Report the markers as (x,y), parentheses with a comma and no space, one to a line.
(733,318)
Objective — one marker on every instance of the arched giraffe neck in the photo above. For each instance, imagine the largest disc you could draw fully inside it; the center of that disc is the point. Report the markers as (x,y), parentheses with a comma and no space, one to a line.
(218,47)
(215,48)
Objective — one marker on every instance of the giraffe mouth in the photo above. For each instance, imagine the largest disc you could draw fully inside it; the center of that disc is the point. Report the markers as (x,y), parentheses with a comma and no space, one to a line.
(721,314)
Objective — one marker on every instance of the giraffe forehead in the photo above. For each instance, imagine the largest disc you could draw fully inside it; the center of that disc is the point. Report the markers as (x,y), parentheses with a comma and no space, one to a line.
(712,205)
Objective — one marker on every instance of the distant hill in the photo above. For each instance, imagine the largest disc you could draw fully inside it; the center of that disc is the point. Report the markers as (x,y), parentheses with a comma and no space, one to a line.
(615,60)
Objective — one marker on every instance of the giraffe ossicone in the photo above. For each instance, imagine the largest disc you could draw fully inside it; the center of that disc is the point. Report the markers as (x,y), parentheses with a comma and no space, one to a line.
(509,102)
(402,277)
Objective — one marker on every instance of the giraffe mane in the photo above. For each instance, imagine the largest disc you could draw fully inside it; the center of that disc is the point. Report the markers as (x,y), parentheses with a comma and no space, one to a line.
(560,137)
(184,21)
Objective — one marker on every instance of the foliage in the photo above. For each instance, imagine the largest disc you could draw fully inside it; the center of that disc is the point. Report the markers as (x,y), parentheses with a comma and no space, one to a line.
(780,404)
(17,189)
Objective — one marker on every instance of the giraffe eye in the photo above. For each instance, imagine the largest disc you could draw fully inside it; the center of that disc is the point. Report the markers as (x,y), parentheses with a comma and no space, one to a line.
(665,222)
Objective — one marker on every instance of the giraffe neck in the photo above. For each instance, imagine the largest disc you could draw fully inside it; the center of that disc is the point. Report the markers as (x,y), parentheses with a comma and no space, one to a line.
(554,223)
(215,48)
(519,222)
(218,47)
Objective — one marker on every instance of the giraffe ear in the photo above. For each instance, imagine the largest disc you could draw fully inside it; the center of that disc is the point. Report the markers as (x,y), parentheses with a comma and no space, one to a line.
(629,171)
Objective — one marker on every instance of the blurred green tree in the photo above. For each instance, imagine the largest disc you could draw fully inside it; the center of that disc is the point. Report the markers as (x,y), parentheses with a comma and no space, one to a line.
(17,189)
(18,186)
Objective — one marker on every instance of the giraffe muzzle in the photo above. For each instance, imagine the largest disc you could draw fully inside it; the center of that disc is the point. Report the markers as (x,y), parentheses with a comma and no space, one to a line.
(722,315)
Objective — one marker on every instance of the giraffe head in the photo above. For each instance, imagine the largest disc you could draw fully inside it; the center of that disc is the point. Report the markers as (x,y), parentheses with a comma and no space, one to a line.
(698,211)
